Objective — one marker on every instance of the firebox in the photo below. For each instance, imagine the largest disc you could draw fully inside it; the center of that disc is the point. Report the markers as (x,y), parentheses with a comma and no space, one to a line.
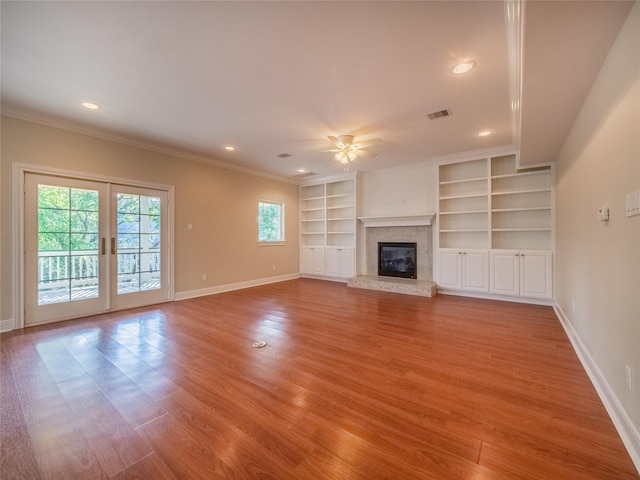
(397,259)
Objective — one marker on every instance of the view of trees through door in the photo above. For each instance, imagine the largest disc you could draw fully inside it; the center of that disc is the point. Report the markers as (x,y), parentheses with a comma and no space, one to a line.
(92,246)
(68,244)
(138,244)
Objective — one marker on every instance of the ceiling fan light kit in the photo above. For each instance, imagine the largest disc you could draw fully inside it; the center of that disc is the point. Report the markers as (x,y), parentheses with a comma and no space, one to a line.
(347,151)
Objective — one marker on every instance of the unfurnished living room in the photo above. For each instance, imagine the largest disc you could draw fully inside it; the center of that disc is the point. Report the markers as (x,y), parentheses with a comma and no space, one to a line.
(320,240)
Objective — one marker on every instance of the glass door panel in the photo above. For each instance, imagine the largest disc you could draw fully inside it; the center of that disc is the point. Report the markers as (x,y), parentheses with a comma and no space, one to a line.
(141,260)
(91,247)
(65,266)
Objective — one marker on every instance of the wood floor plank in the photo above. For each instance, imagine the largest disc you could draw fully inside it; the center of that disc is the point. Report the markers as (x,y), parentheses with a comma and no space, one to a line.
(128,398)
(185,456)
(150,467)
(17,458)
(249,457)
(352,384)
(58,442)
(114,441)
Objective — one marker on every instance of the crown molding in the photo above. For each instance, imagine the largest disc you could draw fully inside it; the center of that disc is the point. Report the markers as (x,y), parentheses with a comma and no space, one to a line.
(75,127)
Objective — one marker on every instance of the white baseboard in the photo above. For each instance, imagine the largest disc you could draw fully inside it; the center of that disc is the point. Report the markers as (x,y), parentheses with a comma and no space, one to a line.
(6,325)
(621,420)
(201,292)
(493,296)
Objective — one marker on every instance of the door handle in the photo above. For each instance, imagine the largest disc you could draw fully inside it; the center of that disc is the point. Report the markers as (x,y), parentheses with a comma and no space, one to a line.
(113,246)
(103,248)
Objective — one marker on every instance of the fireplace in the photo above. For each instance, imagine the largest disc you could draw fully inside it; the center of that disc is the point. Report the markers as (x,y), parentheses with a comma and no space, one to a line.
(397,259)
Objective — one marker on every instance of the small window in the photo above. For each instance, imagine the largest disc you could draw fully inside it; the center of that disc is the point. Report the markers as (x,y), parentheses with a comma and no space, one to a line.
(270,222)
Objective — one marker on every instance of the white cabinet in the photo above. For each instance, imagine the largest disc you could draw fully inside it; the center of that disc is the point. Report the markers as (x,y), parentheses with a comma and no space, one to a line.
(490,205)
(312,260)
(328,227)
(340,261)
(464,269)
(522,273)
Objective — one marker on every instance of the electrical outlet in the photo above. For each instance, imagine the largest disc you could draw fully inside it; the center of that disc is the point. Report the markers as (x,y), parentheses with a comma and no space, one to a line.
(274,267)
(627,376)
(603,213)
(204,277)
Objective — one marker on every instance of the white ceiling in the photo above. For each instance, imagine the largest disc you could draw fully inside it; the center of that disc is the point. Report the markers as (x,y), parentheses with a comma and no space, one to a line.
(278,77)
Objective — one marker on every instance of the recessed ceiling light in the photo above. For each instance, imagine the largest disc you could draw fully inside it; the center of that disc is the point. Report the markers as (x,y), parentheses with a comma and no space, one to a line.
(484,133)
(91,105)
(229,148)
(301,170)
(463,67)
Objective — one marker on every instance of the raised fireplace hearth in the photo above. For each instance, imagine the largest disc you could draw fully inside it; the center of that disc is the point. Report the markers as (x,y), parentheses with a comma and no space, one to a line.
(401,230)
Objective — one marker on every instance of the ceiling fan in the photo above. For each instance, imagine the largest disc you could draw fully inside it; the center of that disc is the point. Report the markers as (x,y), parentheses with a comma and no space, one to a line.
(347,151)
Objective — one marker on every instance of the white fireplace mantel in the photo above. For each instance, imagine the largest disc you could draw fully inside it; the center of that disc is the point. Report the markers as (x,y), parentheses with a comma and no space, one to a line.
(398,220)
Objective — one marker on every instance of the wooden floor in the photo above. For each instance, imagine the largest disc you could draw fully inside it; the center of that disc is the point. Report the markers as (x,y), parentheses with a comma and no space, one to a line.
(353,384)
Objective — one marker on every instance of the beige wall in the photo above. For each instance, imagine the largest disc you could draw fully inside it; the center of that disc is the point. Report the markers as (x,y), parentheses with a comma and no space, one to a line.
(598,263)
(221,205)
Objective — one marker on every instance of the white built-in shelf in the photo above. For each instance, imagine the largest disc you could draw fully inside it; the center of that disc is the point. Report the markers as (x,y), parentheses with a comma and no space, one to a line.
(466,180)
(524,209)
(464,212)
(523,174)
(491,200)
(520,191)
(523,229)
(328,214)
(466,195)
(463,230)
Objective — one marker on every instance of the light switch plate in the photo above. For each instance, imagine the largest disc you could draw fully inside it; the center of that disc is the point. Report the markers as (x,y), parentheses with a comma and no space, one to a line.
(632,203)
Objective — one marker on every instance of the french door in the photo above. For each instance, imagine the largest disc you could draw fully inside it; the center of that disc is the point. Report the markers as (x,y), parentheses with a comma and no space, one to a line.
(91,247)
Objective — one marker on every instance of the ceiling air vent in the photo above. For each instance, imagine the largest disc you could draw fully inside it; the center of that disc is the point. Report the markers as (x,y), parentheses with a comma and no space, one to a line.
(305,175)
(283,155)
(439,113)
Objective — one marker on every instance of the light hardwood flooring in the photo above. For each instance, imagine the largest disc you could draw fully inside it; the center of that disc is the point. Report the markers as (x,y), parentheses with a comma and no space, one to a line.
(353,384)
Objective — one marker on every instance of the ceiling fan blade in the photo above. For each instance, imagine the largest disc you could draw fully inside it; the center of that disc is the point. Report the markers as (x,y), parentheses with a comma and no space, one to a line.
(346,139)
(368,143)
(333,139)
(363,152)
(325,150)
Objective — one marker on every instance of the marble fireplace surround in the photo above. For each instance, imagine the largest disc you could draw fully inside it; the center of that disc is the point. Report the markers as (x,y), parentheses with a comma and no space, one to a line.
(414,228)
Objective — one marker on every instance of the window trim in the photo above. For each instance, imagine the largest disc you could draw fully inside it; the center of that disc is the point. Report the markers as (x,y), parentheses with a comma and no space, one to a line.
(281,240)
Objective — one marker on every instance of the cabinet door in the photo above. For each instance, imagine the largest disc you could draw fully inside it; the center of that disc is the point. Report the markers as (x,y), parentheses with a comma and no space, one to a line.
(347,262)
(535,274)
(475,271)
(333,261)
(340,261)
(505,272)
(317,260)
(450,269)
(312,260)
(305,260)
